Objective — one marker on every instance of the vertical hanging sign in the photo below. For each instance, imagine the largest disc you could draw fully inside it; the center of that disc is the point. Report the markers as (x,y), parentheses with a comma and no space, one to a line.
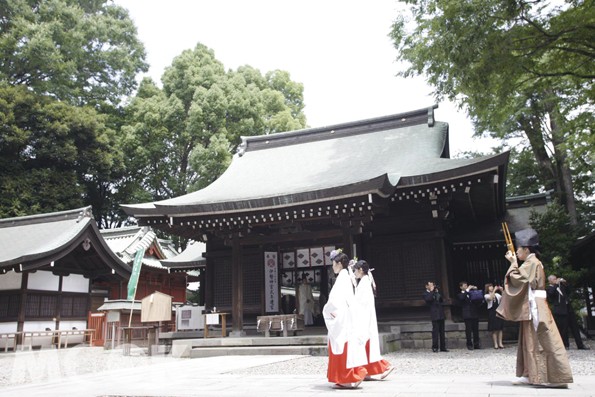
(271,282)
(133,282)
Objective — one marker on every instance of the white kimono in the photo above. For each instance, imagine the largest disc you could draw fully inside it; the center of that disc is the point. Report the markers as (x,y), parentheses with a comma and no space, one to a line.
(367,324)
(341,303)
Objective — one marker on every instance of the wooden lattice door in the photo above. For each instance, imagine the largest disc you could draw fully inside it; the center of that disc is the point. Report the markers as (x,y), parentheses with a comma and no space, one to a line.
(96,322)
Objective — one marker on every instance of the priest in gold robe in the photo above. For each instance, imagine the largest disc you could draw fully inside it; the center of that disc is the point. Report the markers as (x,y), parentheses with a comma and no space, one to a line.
(541,356)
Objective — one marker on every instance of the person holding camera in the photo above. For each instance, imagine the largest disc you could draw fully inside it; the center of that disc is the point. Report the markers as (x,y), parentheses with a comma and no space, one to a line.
(434,300)
(495,323)
(558,296)
(470,301)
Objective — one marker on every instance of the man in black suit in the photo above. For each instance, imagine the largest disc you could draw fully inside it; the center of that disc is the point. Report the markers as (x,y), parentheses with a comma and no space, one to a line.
(558,295)
(434,300)
(470,315)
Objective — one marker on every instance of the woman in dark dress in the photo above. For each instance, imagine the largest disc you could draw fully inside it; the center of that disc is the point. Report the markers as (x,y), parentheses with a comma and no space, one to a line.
(495,323)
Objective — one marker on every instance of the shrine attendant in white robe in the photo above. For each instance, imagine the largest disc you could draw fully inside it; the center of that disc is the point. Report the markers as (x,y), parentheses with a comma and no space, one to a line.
(367,324)
(306,301)
(347,352)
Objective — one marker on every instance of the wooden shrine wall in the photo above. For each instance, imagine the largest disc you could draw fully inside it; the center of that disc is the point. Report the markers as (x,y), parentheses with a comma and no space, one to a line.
(403,265)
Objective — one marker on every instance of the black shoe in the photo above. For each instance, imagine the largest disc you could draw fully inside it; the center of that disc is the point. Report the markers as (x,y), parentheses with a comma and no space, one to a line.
(584,348)
(444,350)
(435,349)
(477,347)
(469,347)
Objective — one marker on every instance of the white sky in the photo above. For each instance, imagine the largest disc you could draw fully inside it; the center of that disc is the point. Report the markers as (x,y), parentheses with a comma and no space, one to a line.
(338,49)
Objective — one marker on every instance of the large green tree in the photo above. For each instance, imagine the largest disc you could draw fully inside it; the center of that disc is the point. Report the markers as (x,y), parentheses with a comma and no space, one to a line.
(522,69)
(70,62)
(79,51)
(49,152)
(181,137)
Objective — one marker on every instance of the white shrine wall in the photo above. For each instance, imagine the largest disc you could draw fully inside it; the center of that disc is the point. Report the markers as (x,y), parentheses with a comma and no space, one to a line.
(43,280)
(10,280)
(75,283)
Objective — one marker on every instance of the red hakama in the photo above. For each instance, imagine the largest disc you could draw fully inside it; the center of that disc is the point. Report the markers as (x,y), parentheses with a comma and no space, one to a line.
(337,368)
(378,367)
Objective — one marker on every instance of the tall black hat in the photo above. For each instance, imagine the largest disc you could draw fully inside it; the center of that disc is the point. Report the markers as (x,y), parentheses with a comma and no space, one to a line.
(526,238)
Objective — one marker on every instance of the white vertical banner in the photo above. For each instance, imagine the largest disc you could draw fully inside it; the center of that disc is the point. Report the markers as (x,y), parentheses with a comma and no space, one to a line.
(271,283)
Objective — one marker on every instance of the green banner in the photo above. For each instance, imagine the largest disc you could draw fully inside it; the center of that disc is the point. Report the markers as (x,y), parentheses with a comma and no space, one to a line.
(138,259)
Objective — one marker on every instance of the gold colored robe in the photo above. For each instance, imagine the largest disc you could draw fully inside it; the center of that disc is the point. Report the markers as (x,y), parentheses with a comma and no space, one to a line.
(541,355)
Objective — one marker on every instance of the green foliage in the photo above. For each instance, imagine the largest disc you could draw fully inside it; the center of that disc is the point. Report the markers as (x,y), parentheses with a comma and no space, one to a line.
(82,52)
(523,174)
(556,234)
(556,238)
(181,138)
(522,70)
(49,152)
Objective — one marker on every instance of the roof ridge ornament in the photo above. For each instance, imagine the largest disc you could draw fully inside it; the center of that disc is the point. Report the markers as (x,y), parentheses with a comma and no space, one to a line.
(431,119)
(87,212)
(242,146)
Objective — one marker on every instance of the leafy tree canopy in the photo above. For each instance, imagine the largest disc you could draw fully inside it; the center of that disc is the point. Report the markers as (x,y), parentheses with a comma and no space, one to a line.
(181,137)
(49,152)
(522,69)
(79,51)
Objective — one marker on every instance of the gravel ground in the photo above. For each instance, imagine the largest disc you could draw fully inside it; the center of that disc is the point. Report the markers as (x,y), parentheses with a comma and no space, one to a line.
(419,362)
(38,366)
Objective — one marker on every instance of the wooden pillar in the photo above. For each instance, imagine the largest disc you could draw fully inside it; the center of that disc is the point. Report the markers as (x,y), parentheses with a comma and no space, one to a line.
(203,282)
(58,309)
(237,290)
(443,276)
(347,242)
(22,305)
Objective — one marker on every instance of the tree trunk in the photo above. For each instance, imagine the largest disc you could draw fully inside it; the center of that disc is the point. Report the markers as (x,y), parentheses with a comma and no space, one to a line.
(563,174)
(548,172)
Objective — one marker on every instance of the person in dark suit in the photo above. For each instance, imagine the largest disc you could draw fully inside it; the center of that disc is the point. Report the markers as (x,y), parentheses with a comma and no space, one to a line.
(558,295)
(434,300)
(470,315)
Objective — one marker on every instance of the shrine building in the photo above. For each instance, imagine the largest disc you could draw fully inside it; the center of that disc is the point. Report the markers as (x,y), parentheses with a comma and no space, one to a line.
(382,189)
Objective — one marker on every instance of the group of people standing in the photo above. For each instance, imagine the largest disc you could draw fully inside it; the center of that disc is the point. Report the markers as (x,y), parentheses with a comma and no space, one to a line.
(541,354)
(350,317)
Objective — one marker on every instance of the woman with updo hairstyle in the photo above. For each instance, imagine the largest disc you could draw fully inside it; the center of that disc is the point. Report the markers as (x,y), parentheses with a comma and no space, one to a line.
(347,353)
(367,325)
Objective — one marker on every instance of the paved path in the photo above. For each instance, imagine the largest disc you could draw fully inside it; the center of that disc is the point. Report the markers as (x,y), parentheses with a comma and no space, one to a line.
(214,376)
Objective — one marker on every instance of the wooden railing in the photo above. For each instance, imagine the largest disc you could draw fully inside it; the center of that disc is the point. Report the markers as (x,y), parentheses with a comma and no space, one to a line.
(8,340)
(56,338)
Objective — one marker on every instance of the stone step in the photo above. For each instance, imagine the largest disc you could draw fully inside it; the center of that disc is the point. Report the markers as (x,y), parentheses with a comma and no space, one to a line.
(306,350)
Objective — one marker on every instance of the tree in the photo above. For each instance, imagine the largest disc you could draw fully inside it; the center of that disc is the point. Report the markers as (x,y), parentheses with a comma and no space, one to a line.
(521,69)
(79,51)
(49,152)
(181,137)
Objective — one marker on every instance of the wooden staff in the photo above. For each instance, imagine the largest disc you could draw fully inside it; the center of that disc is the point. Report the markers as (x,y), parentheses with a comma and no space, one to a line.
(507,237)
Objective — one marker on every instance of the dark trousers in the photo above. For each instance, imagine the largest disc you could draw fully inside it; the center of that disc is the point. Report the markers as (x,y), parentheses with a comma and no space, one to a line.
(438,335)
(568,322)
(472,332)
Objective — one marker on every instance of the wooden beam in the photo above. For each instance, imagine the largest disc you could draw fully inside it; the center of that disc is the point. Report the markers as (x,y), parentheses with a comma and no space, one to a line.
(282,238)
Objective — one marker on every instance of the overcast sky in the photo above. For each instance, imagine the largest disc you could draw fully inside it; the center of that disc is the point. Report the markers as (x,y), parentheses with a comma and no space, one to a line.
(338,49)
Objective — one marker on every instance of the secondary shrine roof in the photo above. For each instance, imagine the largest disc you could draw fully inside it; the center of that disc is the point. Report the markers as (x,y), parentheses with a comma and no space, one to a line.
(373,156)
(32,242)
(125,241)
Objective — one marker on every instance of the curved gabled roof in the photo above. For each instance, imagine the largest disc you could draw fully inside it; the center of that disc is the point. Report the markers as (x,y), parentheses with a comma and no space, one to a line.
(125,241)
(372,156)
(31,242)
